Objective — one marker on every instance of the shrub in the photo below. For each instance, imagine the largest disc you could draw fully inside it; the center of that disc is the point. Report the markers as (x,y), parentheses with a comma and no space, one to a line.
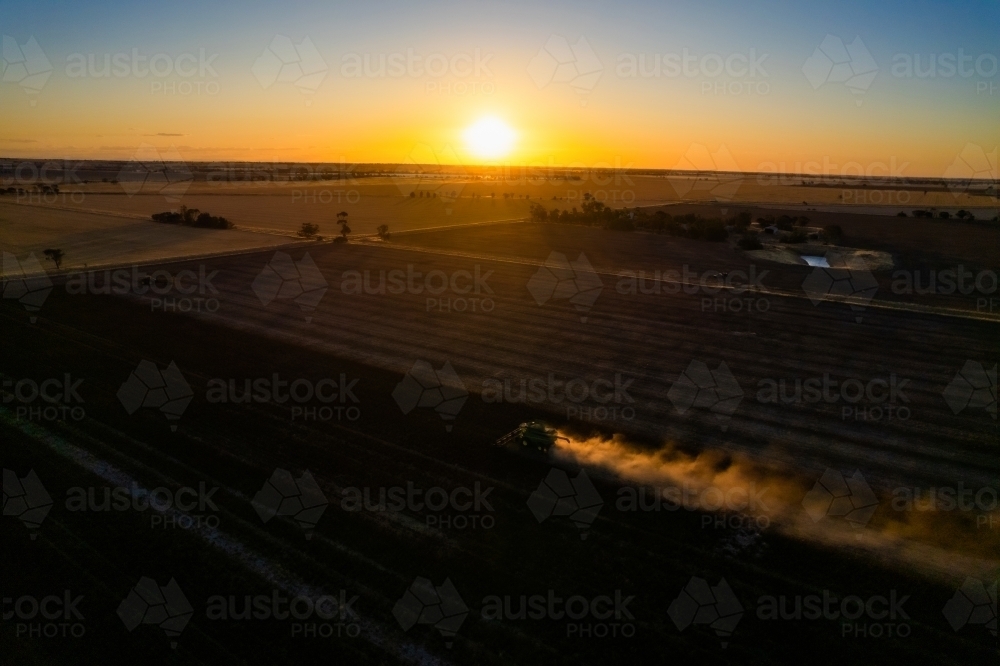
(795,237)
(714,231)
(619,223)
(741,220)
(833,232)
(206,221)
(750,241)
(657,223)
(538,213)
(168,218)
(55,255)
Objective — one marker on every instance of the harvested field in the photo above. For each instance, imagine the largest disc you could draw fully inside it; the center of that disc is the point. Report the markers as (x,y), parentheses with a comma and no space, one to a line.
(99,239)
(642,341)
(285,213)
(648,337)
(283,206)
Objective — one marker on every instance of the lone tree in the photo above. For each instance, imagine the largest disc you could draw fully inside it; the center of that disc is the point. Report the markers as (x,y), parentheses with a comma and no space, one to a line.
(309,230)
(833,233)
(383,231)
(55,255)
(344,228)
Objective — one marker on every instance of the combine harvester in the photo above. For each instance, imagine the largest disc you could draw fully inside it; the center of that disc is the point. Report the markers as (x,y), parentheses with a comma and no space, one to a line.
(532,437)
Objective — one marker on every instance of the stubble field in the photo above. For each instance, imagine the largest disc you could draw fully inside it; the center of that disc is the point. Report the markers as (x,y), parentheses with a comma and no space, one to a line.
(643,342)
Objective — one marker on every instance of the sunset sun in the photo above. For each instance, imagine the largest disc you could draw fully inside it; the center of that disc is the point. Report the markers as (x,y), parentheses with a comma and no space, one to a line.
(489,138)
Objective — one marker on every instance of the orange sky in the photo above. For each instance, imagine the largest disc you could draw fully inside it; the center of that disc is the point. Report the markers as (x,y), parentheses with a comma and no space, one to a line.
(235,110)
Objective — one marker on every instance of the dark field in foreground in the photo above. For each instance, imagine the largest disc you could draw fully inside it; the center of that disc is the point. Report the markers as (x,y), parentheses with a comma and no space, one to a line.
(644,342)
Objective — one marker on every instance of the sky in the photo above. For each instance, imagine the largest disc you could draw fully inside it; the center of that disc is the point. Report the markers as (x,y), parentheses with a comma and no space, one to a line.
(837,87)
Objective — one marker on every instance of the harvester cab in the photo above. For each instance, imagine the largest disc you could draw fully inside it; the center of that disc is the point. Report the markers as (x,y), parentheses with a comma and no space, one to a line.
(531,436)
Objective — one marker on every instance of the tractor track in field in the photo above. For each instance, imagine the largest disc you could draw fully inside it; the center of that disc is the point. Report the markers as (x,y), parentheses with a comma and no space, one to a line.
(231,547)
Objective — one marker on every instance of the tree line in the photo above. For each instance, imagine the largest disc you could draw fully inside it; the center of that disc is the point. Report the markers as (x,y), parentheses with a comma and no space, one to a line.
(594,213)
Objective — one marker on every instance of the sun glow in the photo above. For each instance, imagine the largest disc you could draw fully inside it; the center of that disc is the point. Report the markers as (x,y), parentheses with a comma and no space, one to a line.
(489,138)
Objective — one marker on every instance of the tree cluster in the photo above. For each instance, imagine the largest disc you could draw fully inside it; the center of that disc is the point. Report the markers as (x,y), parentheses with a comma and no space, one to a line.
(783,222)
(192,217)
(40,188)
(594,213)
(944,215)
(309,230)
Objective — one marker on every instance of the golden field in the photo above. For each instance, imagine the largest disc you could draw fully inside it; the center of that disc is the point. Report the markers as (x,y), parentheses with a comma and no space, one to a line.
(100,223)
